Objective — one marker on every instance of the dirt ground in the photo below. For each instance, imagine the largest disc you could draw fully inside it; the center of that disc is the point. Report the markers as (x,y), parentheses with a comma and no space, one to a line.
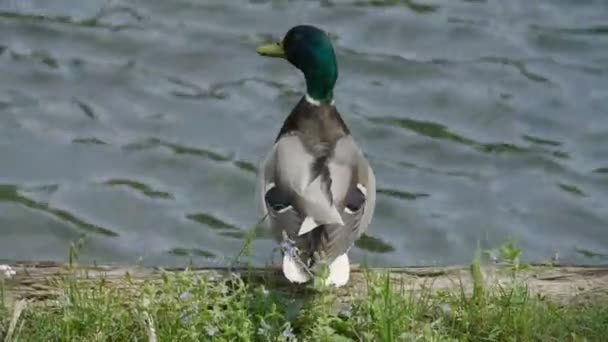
(561,284)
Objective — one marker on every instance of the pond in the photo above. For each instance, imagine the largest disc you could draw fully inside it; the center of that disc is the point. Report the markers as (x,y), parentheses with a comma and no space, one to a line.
(140,124)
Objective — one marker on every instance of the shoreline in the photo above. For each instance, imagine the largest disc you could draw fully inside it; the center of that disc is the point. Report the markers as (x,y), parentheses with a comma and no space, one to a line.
(563,284)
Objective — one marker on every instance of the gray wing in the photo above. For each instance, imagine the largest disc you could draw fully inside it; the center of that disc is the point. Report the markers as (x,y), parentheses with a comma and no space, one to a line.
(289,190)
(354,190)
(261,183)
(274,202)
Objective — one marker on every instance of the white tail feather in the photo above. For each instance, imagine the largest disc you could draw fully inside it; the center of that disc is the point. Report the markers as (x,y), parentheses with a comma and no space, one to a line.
(307,225)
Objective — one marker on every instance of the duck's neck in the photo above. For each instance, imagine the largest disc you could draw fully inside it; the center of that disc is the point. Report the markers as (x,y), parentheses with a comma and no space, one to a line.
(320,80)
(317,103)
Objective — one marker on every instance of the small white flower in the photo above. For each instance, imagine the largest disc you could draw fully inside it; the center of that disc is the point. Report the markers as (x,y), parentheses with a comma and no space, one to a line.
(265,291)
(212,331)
(185,295)
(346,312)
(7,271)
(288,333)
(185,318)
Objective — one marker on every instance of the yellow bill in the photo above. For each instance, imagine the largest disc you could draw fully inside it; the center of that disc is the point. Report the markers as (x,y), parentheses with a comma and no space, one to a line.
(271,50)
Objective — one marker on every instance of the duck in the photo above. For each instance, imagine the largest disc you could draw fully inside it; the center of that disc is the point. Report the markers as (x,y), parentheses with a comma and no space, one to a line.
(315,187)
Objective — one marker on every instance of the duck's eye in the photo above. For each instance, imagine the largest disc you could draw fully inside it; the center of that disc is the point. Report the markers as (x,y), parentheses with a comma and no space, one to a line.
(277,200)
(354,200)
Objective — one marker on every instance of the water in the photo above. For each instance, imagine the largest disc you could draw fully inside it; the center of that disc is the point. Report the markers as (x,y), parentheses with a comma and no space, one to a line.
(140,123)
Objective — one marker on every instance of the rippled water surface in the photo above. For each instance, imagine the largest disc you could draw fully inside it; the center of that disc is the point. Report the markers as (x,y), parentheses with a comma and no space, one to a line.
(140,125)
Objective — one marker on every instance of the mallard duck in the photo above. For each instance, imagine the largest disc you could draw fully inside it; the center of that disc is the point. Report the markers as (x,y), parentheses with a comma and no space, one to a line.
(316,188)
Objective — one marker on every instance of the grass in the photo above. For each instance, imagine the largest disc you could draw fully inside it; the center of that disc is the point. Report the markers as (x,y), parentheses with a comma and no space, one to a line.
(188,306)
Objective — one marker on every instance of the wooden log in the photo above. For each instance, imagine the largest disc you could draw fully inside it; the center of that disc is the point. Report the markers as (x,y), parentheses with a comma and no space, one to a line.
(561,284)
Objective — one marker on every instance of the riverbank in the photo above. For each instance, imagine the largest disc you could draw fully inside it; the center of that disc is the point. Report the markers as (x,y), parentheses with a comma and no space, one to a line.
(49,301)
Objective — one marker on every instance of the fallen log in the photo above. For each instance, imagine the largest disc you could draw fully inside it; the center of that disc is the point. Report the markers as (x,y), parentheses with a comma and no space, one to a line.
(562,284)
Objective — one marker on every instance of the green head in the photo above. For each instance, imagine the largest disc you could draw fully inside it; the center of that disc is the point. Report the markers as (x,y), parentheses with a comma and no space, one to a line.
(309,49)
